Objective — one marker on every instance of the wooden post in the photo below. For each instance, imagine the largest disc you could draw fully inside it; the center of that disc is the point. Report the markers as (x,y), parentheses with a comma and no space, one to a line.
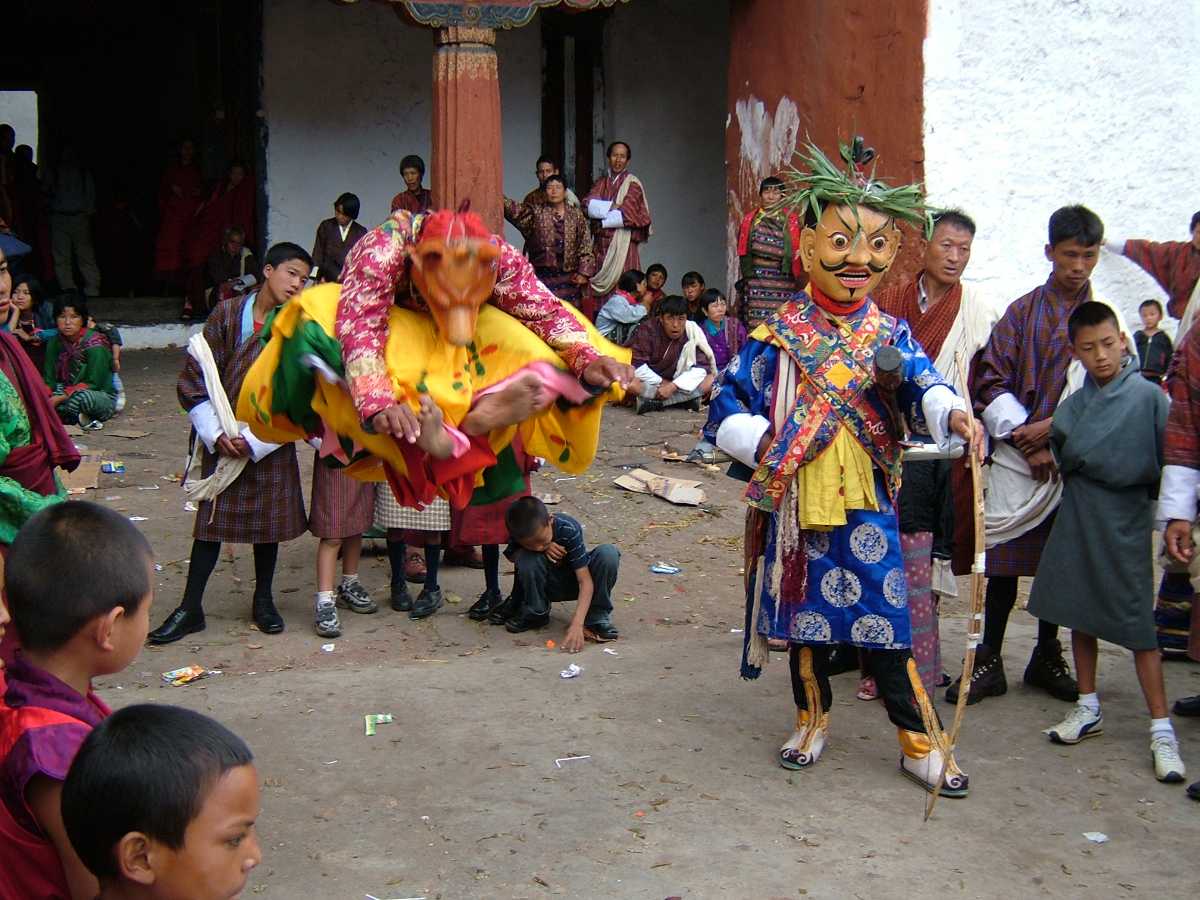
(467,159)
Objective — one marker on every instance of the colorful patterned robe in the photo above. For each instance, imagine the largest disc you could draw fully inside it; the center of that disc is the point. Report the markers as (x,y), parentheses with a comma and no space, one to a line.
(768,244)
(376,271)
(845,583)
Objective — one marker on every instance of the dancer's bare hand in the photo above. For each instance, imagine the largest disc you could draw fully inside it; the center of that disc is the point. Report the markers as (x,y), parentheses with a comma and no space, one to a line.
(603,372)
(1042,465)
(961,425)
(399,421)
(1178,536)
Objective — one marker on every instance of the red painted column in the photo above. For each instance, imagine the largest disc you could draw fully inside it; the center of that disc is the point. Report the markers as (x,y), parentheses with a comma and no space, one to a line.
(467,159)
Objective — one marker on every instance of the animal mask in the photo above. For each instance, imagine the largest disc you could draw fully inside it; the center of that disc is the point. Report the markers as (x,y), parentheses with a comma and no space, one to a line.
(454,269)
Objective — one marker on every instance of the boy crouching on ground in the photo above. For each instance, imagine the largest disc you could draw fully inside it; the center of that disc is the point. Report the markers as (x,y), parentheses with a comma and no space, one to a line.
(79,584)
(161,802)
(553,563)
(1095,575)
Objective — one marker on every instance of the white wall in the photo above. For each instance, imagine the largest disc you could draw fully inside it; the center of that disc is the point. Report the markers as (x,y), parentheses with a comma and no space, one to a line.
(1034,104)
(666,64)
(347,93)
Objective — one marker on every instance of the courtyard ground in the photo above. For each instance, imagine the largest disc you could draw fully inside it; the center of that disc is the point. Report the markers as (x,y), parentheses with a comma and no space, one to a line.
(679,794)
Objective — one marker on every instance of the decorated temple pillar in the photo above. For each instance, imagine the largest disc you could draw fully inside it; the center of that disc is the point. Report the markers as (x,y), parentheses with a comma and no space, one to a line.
(467,151)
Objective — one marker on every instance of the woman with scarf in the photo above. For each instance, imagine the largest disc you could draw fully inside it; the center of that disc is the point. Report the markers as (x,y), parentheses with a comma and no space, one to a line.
(725,334)
(78,367)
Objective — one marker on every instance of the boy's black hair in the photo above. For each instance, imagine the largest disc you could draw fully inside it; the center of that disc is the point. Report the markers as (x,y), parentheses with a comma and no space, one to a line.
(70,563)
(76,300)
(691,278)
(769,182)
(1195,221)
(1089,315)
(525,518)
(628,150)
(412,161)
(709,297)
(349,203)
(1075,223)
(956,218)
(555,177)
(286,251)
(656,267)
(1151,302)
(146,768)
(545,159)
(671,305)
(629,281)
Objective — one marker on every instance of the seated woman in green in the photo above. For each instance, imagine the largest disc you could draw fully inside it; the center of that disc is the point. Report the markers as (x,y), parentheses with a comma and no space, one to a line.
(78,367)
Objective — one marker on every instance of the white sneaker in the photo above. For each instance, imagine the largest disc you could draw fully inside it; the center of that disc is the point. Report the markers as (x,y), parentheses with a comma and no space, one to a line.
(1168,767)
(1080,723)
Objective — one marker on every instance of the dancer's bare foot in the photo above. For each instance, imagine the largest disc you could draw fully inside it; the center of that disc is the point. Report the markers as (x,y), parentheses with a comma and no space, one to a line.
(516,403)
(433,438)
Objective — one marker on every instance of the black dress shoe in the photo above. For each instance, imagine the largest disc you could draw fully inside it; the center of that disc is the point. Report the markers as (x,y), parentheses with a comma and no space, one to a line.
(266,616)
(401,598)
(524,621)
(503,612)
(1187,706)
(179,624)
(603,632)
(428,602)
(487,601)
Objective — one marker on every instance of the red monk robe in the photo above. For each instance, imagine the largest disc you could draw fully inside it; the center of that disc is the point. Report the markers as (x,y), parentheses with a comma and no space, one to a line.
(1175,265)
(635,217)
(179,196)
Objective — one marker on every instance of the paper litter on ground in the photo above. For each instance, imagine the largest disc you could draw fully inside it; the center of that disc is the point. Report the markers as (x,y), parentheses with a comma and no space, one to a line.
(571,671)
(680,491)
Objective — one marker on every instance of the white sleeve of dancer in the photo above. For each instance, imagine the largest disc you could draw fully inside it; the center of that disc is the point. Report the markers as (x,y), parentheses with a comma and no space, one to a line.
(739,435)
(1177,494)
(259,450)
(1114,244)
(208,428)
(598,209)
(1003,415)
(613,219)
(937,404)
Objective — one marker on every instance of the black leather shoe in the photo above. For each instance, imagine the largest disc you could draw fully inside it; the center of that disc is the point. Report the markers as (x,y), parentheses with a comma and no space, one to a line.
(1187,706)
(987,678)
(487,601)
(602,632)
(428,602)
(503,612)
(1048,670)
(266,616)
(524,621)
(179,624)
(401,598)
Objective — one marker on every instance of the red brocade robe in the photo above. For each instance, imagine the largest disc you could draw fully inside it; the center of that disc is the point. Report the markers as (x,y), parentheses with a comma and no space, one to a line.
(1175,265)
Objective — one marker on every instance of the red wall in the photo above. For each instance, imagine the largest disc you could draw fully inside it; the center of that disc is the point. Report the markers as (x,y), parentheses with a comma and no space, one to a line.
(851,67)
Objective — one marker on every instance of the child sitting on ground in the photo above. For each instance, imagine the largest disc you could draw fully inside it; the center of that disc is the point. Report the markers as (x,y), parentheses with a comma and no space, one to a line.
(79,580)
(1153,346)
(1095,575)
(161,802)
(78,367)
(692,286)
(672,358)
(554,564)
(624,308)
(725,333)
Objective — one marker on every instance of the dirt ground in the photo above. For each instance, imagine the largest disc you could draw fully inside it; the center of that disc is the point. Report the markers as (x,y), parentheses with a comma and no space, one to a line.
(679,794)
